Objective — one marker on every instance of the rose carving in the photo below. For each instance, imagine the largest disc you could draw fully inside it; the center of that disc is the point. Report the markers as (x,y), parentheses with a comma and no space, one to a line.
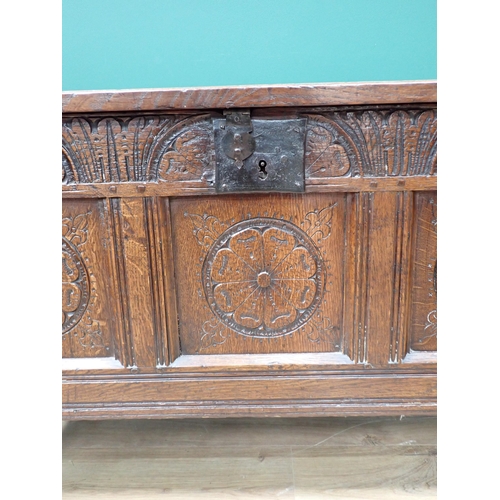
(263,277)
(75,286)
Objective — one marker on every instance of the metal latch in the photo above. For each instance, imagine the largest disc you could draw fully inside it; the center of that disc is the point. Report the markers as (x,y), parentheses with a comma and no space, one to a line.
(238,142)
(258,154)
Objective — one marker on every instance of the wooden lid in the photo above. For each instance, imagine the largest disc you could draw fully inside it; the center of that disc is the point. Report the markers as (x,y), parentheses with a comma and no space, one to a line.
(321,94)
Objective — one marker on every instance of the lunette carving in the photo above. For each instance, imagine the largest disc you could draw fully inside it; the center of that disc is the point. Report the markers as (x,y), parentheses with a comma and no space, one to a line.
(147,148)
(136,149)
(184,152)
(373,143)
(329,151)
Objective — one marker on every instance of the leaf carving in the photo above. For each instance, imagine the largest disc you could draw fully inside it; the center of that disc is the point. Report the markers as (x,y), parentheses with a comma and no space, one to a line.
(75,229)
(206,228)
(318,223)
(90,335)
(320,329)
(214,334)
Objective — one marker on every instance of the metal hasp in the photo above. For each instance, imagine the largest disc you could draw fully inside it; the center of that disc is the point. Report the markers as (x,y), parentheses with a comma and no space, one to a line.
(258,154)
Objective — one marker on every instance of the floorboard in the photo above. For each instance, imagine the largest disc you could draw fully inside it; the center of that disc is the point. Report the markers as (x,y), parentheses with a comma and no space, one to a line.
(296,459)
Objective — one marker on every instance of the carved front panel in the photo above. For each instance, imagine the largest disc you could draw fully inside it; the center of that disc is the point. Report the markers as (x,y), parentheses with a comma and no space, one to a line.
(88,317)
(180,300)
(423,324)
(260,274)
(179,149)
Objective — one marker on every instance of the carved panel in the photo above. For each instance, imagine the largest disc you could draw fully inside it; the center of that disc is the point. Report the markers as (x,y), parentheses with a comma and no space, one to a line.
(372,143)
(184,152)
(263,277)
(87,319)
(75,286)
(260,276)
(136,149)
(330,152)
(364,143)
(423,325)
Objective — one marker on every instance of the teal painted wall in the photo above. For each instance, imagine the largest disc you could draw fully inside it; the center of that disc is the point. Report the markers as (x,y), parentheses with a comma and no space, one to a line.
(118,44)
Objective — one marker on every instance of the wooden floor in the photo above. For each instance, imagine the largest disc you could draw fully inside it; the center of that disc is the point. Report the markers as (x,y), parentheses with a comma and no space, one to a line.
(316,458)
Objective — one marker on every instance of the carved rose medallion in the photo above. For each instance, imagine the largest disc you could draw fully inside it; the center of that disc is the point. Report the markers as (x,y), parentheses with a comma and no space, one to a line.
(75,286)
(263,277)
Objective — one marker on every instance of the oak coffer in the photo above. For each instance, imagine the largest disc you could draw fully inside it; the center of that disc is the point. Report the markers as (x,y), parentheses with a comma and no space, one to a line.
(265,251)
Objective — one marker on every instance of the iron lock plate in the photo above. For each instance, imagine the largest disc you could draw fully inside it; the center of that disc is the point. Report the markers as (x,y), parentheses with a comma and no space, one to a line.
(259,154)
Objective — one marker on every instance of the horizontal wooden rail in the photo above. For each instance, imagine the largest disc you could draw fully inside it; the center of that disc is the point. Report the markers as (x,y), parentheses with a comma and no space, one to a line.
(318,94)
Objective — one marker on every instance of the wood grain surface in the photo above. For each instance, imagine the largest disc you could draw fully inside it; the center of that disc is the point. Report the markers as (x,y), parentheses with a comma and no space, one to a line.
(330,94)
(424,308)
(318,458)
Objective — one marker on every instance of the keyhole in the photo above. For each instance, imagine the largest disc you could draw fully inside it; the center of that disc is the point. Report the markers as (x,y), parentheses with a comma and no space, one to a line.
(263,172)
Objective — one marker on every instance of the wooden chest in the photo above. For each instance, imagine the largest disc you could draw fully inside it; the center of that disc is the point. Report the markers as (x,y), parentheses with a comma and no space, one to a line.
(265,251)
